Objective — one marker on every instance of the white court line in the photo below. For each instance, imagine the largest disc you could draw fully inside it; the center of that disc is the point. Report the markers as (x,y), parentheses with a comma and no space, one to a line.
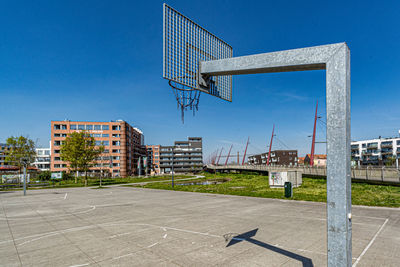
(117,235)
(79,265)
(370,243)
(165,236)
(60,215)
(66,194)
(152,245)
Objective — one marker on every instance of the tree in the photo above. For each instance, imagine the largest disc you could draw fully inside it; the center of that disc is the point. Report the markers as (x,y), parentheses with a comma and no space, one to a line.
(390,161)
(80,151)
(21,150)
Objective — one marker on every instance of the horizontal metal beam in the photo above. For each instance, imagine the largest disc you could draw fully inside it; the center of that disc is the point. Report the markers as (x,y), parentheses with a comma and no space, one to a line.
(310,58)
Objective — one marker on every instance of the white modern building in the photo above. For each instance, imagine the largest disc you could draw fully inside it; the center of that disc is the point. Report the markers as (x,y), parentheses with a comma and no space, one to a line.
(380,151)
(42,160)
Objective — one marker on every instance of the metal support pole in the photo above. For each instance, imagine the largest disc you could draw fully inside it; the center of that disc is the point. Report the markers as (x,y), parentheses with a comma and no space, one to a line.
(172,169)
(313,137)
(24,180)
(335,58)
(338,158)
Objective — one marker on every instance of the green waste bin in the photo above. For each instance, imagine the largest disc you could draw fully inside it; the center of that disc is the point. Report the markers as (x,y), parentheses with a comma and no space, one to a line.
(288,189)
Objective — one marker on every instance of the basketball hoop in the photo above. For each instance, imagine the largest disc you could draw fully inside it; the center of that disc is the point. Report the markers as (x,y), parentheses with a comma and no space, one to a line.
(186,97)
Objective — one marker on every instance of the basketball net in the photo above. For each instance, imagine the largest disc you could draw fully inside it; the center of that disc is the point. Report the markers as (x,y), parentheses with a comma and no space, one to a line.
(186,98)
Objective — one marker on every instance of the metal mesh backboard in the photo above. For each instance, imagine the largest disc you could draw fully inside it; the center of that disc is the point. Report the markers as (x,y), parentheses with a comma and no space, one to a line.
(185,44)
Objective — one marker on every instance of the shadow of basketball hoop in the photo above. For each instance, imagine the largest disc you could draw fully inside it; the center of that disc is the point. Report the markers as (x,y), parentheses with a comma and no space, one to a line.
(248,236)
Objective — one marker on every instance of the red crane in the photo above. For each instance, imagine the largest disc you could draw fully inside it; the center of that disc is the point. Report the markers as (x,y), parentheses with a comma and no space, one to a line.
(229,153)
(313,138)
(219,155)
(270,145)
(245,151)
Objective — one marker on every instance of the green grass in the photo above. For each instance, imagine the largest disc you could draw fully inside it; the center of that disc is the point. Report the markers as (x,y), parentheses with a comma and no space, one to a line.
(256,185)
(105,181)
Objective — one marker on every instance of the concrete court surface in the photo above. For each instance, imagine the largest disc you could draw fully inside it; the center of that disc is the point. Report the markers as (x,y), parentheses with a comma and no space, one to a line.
(125,226)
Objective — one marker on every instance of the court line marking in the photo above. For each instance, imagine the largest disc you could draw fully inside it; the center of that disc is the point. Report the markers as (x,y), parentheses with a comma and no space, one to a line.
(53,216)
(66,194)
(370,243)
(152,245)
(79,265)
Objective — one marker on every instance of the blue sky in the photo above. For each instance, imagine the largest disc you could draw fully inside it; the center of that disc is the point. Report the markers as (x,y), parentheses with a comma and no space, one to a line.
(102,60)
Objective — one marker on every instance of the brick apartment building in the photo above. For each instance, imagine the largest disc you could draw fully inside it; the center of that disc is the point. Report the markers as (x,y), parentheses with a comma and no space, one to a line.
(278,158)
(124,146)
(3,153)
(153,158)
(184,156)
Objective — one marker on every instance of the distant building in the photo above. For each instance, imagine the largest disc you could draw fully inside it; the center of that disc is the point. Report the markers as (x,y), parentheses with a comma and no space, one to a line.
(124,146)
(153,159)
(300,160)
(183,156)
(278,158)
(42,159)
(319,160)
(3,152)
(380,151)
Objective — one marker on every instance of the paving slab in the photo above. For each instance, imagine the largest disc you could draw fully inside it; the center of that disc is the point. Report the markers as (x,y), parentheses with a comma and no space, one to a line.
(126,226)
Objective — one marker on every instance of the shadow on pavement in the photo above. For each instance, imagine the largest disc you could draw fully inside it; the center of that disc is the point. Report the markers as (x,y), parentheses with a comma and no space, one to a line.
(307,262)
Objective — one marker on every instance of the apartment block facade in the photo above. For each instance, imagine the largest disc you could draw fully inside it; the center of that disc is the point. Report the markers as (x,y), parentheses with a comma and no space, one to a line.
(182,157)
(3,152)
(278,158)
(124,146)
(42,159)
(380,151)
(153,158)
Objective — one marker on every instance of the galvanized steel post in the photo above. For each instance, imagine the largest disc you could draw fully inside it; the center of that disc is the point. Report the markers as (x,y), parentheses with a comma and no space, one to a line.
(335,58)
(338,158)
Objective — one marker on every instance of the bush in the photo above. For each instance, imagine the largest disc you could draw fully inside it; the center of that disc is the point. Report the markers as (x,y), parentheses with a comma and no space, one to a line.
(44,176)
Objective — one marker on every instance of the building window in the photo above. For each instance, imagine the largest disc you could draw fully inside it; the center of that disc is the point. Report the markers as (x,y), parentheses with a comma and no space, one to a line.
(96,135)
(57,135)
(72,126)
(57,158)
(63,127)
(116,127)
(57,143)
(116,151)
(105,143)
(89,127)
(81,127)
(116,135)
(57,127)
(116,143)
(105,127)
(57,165)
(106,135)
(97,127)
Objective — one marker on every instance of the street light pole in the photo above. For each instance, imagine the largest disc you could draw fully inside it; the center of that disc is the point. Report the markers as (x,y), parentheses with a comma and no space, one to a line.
(172,169)
(24,179)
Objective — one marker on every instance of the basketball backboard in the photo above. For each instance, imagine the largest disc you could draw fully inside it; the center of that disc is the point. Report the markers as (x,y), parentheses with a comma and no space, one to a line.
(185,45)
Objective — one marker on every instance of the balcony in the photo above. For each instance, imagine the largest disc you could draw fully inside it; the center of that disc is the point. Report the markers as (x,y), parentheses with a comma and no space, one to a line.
(386,144)
(372,145)
(354,147)
(386,151)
